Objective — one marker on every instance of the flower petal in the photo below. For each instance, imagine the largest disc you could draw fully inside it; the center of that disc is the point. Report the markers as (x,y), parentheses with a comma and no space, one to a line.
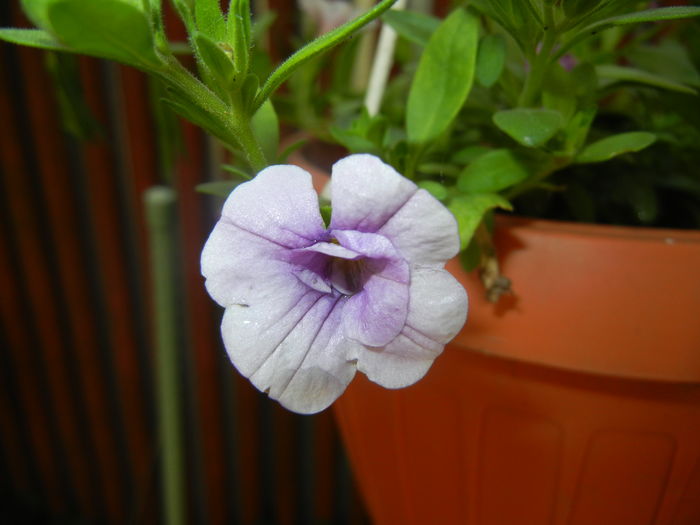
(376,315)
(235,262)
(423,230)
(365,192)
(437,311)
(295,352)
(279,205)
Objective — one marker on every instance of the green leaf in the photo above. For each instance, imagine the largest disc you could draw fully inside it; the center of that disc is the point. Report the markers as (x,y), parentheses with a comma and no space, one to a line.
(470,209)
(436,189)
(518,17)
(326,212)
(210,20)
(470,257)
(215,60)
(238,34)
(648,15)
(266,129)
(609,147)
(32,38)
(413,26)
(37,12)
(668,59)
(315,48)
(613,73)
(469,154)
(529,127)
(491,172)
(444,77)
(220,188)
(490,59)
(109,28)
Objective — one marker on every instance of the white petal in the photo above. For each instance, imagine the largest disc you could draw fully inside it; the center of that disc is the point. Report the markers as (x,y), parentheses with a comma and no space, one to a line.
(295,352)
(366,192)
(279,205)
(236,262)
(423,230)
(437,311)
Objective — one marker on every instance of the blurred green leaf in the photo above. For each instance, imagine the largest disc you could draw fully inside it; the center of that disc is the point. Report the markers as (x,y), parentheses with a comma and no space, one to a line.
(444,77)
(219,188)
(491,172)
(108,28)
(529,127)
(490,59)
(470,257)
(613,73)
(609,147)
(266,129)
(469,154)
(32,38)
(668,59)
(470,209)
(37,12)
(413,26)
(436,189)
(648,15)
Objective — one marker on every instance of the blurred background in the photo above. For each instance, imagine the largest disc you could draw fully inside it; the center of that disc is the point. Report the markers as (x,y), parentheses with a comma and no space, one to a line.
(78,392)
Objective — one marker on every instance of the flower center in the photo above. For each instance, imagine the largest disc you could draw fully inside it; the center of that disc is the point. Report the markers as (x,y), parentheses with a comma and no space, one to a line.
(348,276)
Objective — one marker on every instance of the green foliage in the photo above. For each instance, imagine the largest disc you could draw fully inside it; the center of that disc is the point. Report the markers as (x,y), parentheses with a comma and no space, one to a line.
(415,27)
(609,147)
(529,127)
(444,77)
(470,209)
(112,29)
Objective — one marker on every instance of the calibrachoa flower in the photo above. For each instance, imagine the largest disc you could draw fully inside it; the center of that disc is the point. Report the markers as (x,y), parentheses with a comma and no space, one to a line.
(309,305)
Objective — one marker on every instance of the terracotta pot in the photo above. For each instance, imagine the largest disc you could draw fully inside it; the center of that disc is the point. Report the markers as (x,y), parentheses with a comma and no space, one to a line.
(574,401)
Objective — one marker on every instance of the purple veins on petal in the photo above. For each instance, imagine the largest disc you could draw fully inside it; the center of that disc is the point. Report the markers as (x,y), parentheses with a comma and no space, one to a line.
(307,306)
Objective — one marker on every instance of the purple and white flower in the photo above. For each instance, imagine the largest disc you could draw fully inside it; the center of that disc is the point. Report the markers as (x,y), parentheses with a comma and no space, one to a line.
(309,305)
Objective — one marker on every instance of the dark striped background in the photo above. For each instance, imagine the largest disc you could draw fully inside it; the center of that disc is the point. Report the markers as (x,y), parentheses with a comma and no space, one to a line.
(78,436)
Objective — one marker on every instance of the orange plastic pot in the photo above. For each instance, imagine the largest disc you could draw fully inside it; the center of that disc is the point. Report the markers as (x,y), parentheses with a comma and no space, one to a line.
(574,401)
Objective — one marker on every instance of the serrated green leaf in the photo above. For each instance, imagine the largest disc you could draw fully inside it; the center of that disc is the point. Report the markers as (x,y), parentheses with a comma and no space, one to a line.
(109,28)
(609,147)
(491,172)
(32,38)
(490,59)
(266,129)
(413,26)
(219,188)
(469,210)
(612,73)
(436,189)
(529,127)
(444,77)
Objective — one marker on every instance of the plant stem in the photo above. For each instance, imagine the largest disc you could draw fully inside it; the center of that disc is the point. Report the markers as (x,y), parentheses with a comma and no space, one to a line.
(231,123)
(160,210)
(539,61)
